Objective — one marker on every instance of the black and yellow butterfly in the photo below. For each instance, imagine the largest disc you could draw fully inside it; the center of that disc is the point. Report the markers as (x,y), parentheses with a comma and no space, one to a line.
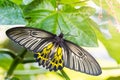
(54,52)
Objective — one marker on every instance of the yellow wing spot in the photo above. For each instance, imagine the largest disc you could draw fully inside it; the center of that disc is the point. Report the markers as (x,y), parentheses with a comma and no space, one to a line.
(50,46)
(57,61)
(43,56)
(47,49)
(59,51)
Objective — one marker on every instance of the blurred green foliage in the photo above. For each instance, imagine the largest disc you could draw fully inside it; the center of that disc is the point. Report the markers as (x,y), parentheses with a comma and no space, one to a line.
(10,13)
(73,18)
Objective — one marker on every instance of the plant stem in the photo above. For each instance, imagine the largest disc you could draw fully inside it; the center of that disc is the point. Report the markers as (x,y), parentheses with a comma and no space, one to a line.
(23,53)
(28,61)
(9,52)
(12,68)
(14,64)
(65,75)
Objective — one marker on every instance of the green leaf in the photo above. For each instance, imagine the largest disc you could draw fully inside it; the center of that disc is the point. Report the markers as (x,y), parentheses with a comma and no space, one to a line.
(67,19)
(10,13)
(15,78)
(21,77)
(67,8)
(5,60)
(21,2)
(72,1)
(114,78)
(53,2)
(38,5)
(18,2)
(9,52)
(80,32)
(75,3)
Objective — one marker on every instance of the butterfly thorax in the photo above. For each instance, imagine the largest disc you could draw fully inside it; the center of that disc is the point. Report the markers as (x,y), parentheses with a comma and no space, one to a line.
(59,39)
(61,35)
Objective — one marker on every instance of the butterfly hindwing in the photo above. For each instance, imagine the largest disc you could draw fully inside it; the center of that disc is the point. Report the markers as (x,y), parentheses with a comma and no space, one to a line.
(80,60)
(50,57)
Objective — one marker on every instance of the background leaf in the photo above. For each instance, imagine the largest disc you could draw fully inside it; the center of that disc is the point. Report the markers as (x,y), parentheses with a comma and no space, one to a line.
(68,20)
(112,45)
(4,58)
(107,23)
(18,2)
(10,13)
(15,78)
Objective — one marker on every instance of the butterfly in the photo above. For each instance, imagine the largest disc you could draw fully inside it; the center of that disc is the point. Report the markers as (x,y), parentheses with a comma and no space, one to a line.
(54,52)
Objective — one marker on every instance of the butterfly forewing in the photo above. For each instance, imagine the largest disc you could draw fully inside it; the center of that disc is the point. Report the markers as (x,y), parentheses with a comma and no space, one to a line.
(47,52)
(80,60)
(30,38)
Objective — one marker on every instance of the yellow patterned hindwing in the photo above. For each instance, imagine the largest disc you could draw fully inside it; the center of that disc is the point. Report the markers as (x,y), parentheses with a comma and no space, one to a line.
(55,63)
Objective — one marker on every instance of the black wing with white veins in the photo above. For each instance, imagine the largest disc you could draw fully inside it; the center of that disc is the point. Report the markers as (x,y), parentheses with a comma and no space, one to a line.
(31,38)
(78,59)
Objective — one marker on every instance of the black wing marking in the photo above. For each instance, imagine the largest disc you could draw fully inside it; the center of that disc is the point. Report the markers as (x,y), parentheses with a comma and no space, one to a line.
(31,38)
(78,59)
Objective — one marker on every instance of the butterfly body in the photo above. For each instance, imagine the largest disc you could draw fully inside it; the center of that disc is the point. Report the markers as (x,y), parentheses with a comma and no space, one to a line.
(54,52)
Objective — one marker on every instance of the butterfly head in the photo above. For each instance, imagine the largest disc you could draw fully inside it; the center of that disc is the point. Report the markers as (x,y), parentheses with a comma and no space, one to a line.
(61,35)
(59,39)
